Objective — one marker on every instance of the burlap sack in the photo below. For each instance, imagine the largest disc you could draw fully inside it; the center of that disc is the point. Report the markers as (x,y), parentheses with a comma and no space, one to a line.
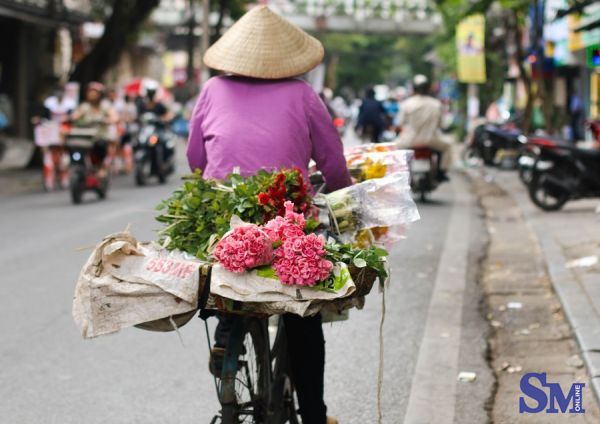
(270,296)
(125,283)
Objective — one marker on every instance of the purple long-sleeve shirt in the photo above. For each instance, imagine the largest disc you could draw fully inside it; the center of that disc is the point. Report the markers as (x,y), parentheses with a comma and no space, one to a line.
(254,124)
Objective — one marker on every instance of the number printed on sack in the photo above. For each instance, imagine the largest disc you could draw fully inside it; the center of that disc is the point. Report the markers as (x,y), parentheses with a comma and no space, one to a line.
(177,269)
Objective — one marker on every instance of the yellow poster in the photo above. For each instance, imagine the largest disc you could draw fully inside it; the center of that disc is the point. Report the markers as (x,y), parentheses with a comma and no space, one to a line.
(575,38)
(470,46)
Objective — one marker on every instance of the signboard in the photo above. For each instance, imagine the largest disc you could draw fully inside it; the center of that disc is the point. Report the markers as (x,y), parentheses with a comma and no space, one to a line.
(593,56)
(470,45)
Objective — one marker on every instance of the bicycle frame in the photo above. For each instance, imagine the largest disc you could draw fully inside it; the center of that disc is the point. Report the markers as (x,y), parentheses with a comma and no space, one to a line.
(280,406)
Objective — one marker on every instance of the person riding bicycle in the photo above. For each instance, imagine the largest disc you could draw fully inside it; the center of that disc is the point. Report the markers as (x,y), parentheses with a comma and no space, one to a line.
(258,116)
(420,119)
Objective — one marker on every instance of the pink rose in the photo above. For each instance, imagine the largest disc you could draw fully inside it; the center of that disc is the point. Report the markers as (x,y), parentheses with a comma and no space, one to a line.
(244,248)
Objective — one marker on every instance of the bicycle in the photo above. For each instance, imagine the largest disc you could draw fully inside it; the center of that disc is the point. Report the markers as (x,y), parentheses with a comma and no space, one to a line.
(255,384)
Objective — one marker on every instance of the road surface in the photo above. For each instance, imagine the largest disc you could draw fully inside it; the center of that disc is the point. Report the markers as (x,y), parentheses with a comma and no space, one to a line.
(49,374)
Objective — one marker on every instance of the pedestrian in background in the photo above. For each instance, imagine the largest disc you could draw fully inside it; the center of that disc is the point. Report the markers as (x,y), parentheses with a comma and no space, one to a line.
(371,117)
(56,111)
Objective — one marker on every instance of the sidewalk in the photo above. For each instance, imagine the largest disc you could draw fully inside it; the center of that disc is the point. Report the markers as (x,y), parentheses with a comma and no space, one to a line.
(570,243)
(15,181)
(14,177)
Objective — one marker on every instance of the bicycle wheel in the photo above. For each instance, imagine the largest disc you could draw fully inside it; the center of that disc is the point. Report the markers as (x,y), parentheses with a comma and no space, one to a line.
(246,376)
(283,402)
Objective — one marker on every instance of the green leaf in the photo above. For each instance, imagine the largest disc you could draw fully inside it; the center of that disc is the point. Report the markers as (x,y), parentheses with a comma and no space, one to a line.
(359,262)
(266,271)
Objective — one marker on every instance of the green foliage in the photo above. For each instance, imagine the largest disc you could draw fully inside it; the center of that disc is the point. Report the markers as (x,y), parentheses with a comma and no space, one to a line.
(365,60)
(199,212)
(373,257)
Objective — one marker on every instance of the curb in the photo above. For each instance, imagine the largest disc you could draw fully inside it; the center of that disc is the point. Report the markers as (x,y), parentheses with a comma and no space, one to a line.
(13,182)
(15,153)
(579,310)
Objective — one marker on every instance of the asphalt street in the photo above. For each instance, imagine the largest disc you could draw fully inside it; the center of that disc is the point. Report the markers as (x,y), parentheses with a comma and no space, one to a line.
(49,374)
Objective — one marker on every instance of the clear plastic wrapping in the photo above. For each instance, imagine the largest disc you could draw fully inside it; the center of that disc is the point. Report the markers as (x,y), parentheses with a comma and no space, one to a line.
(368,164)
(382,206)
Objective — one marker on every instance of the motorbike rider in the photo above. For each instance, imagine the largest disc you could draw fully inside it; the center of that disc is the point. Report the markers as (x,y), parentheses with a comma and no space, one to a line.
(126,110)
(97,112)
(421,119)
(149,102)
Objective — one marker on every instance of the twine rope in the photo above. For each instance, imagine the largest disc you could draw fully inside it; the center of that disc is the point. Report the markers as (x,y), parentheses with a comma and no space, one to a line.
(380,370)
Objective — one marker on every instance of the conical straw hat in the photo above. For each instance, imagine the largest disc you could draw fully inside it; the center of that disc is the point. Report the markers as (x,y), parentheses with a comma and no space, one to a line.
(261,44)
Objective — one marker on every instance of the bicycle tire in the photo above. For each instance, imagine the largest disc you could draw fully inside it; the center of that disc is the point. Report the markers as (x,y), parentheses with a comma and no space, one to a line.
(245,384)
(283,404)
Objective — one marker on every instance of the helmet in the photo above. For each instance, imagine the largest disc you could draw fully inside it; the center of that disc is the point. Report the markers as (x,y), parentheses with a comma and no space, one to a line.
(420,84)
(95,85)
(150,87)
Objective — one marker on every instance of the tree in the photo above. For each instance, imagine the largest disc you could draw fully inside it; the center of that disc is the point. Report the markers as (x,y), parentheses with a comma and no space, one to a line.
(364,60)
(510,20)
(124,19)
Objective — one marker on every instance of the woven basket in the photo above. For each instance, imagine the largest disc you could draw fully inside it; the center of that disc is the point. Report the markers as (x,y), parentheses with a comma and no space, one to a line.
(363,278)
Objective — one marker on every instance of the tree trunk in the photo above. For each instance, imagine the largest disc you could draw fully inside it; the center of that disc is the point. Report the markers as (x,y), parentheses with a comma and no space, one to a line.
(525,77)
(223,8)
(126,18)
(190,44)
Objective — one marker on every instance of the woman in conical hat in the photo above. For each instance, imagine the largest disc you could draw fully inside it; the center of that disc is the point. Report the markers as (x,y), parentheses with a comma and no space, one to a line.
(258,116)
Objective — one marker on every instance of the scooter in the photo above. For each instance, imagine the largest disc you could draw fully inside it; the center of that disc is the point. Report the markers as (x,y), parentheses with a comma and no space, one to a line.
(154,150)
(86,167)
(494,145)
(562,173)
(530,148)
(424,171)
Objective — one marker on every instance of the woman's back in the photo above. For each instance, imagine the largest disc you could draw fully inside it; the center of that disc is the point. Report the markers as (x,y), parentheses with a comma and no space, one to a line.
(254,124)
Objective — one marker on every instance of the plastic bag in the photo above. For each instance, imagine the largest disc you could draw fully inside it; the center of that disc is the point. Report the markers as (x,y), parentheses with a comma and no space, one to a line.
(375,203)
(366,165)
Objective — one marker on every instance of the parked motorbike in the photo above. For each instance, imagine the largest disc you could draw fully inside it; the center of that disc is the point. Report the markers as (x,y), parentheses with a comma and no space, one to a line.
(154,150)
(87,154)
(562,173)
(423,171)
(494,144)
(529,150)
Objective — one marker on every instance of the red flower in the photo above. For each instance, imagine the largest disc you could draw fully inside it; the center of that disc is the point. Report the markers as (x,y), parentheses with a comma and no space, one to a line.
(263,198)
(280,179)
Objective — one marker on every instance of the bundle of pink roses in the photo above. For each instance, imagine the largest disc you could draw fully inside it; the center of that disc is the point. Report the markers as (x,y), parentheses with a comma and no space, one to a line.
(298,258)
(246,247)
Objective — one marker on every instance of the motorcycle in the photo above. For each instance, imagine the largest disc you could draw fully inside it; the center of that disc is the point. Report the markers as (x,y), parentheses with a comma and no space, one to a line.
(86,166)
(494,144)
(154,150)
(562,173)
(531,144)
(423,171)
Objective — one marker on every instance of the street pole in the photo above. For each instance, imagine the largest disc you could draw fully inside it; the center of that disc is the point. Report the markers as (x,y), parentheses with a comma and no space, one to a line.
(205,39)
(190,69)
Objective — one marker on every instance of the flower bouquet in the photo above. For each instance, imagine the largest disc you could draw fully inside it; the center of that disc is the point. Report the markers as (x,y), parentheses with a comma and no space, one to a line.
(261,231)
(373,161)
(199,212)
